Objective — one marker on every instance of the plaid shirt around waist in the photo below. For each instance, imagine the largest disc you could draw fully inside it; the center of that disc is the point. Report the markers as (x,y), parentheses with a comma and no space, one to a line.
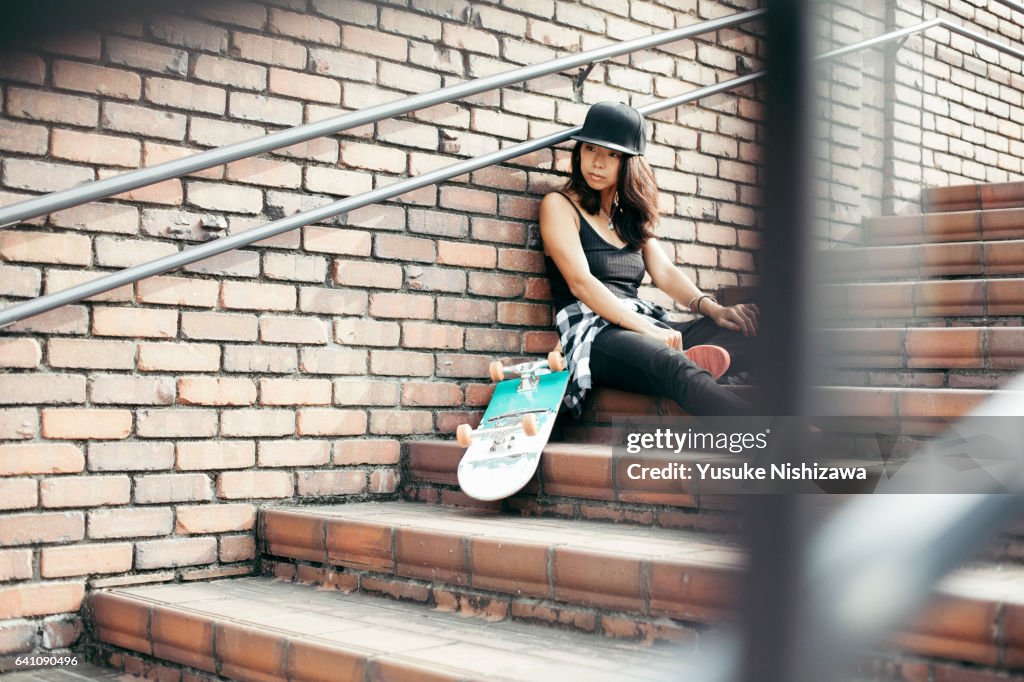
(578,326)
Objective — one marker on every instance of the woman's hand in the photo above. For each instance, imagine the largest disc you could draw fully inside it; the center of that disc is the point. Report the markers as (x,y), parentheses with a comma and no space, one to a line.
(739,318)
(670,337)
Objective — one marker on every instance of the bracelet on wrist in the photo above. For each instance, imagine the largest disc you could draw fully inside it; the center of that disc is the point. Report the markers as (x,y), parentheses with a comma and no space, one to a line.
(701,300)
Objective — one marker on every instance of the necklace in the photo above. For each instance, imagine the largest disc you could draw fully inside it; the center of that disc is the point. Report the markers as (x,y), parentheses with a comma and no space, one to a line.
(607,217)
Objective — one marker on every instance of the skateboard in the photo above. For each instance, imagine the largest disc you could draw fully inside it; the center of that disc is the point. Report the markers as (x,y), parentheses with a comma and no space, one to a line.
(502,453)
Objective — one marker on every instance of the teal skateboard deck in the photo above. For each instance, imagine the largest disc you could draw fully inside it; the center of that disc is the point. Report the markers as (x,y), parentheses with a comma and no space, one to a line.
(502,454)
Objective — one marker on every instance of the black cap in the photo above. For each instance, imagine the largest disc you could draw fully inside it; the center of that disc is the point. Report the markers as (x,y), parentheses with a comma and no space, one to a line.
(616,126)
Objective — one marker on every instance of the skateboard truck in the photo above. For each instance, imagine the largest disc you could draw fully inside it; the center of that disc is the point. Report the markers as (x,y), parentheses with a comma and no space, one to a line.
(528,372)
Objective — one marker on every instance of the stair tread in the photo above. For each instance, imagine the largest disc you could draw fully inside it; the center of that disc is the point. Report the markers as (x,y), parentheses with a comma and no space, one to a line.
(641,543)
(299,629)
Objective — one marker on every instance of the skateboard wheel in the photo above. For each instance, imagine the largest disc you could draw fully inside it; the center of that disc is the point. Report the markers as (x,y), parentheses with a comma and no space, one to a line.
(497,371)
(464,435)
(556,363)
(530,425)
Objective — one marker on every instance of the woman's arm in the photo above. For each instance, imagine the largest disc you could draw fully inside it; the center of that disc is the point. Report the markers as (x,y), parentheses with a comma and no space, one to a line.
(562,242)
(670,279)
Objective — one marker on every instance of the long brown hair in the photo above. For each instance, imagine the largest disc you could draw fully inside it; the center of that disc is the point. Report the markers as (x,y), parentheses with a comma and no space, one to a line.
(637,210)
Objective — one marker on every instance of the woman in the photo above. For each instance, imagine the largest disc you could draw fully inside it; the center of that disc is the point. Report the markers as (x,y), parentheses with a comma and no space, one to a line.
(598,242)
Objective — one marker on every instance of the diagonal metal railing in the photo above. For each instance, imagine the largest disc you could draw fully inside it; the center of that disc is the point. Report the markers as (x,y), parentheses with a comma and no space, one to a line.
(124,182)
(173,261)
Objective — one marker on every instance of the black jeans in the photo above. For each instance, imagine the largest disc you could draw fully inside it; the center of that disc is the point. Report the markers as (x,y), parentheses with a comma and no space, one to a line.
(633,362)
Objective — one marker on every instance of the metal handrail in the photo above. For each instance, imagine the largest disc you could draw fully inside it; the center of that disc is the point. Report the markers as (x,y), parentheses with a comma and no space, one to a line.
(100,189)
(1012,4)
(85,290)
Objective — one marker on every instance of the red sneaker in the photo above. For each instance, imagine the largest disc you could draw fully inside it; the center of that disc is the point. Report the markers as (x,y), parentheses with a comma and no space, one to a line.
(714,359)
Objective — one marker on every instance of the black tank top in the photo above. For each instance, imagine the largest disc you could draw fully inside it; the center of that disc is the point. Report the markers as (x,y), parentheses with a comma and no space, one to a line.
(620,269)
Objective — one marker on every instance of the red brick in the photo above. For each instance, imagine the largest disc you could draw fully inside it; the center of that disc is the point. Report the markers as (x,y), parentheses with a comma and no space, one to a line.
(178,30)
(389,423)
(97,80)
(32,529)
(219,326)
(86,424)
(62,632)
(358,332)
(95,149)
(467,255)
(337,182)
(525,314)
(402,306)
(431,395)
(65,562)
(178,291)
(497,285)
(130,523)
(123,253)
(179,357)
(15,564)
(369,41)
(230,72)
(436,279)
(331,422)
(19,424)
(116,218)
(333,361)
(401,363)
(214,518)
(384,481)
(147,56)
(394,247)
(304,86)
(351,392)
(18,493)
(300,330)
(333,301)
(235,12)
(294,453)
(504,231)
(266,172)
(248,423)
(41,599)
(41,247)
(367,274)
(295,391)
(323,483)
(142,121)
(420,335)
(172,553)
(176,423)
(130,456)
(218,197)
(347,452)
(59,280)
(22,67)
(22,282)
(494,340)
(214,133)
(304,27)
(118,389)
(372,157)
(463,366)
(39,176)
(40,458)
(440,223)
(237,548)
(71,319)
(250,296)
(216,391)
(135,322)
(265,359)
(471,39)
(25,138)
(234,485)
(168,192)
(85,491)
(465,199)
(164,488)
(335,240)
(466,310)
(517,260)
(187,96)
(19,353)
(205,455)
(48,106)
(266,50)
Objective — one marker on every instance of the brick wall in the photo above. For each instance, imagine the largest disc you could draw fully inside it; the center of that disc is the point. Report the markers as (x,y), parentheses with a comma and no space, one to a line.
(140,430)
(940,110)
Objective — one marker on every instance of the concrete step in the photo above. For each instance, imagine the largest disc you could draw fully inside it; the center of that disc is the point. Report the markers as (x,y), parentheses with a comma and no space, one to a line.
(262,629)
(924,261)
(923,300)
(976,196)
(955,226)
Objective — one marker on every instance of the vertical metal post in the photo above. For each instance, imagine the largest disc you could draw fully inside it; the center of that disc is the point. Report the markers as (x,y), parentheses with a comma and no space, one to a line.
(777,536)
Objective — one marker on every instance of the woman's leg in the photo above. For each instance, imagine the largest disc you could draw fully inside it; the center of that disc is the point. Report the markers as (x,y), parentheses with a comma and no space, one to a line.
(704,330)
(633,362)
